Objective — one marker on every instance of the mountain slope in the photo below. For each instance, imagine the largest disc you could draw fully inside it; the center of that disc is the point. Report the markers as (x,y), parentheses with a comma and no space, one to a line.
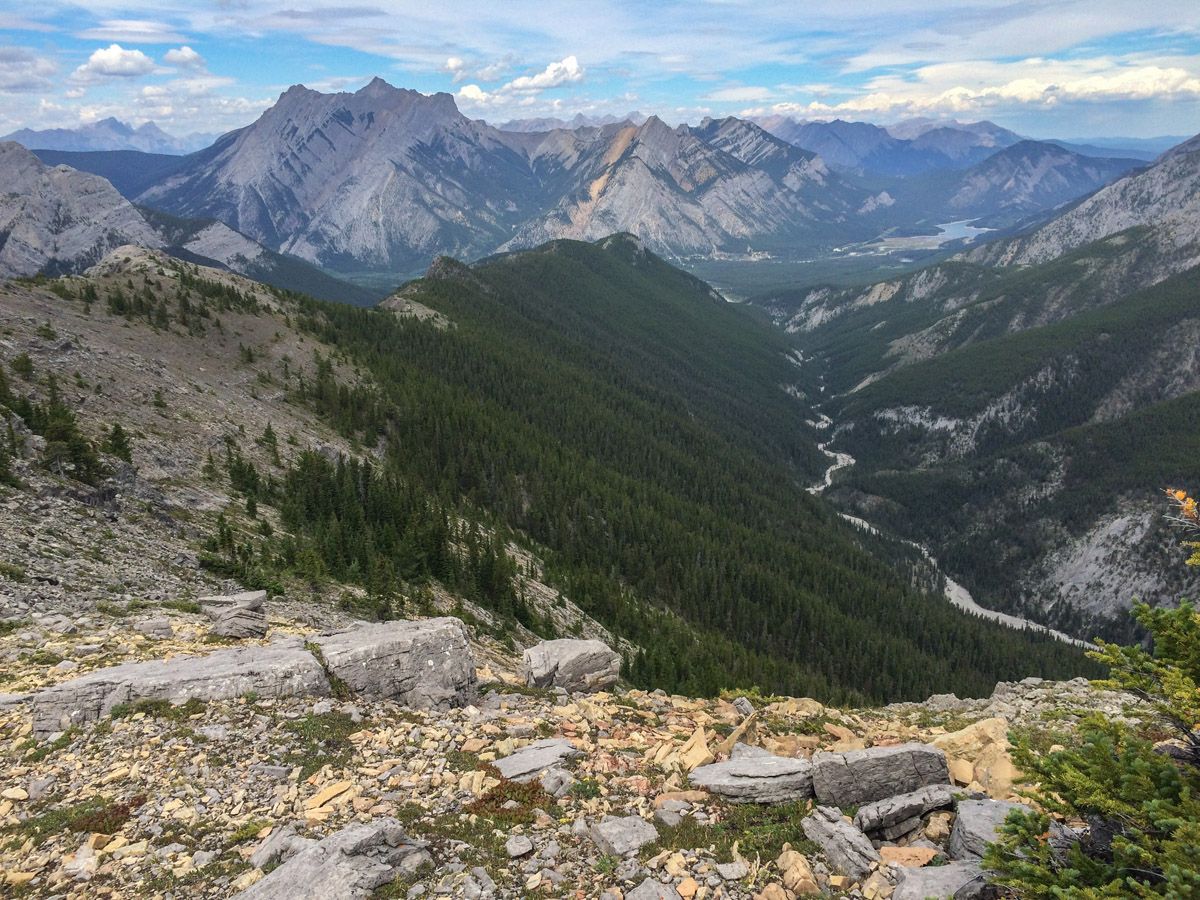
(915,148)
(129,171)
(58,219)
(1019,407)
(616,412)
(1026,177)
(1032,462)
(722,185)
(1165,196)
(585,406)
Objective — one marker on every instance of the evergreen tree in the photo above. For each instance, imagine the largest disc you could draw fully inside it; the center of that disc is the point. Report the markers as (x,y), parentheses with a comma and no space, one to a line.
(117,443)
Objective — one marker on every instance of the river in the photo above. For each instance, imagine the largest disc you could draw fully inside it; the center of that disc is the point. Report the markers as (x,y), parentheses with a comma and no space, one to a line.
(958,595)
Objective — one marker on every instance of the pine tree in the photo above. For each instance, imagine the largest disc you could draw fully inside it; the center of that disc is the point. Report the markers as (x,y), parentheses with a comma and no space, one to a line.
(117,443)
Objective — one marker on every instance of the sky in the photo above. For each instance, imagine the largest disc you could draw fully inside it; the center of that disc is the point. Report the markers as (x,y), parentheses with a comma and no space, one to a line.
(1059,68)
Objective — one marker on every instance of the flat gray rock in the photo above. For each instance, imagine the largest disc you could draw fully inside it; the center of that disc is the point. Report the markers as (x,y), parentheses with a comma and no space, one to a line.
(518,845)
(653,890)
(572,665)
(248,599)
(621,835)
(529,762)
(960,880)
(283,668)
(976,825)
(240,622)
(895,810)
(347,865)
(425,663)
(158,627)
(757,778)
(865,776)
(848,850)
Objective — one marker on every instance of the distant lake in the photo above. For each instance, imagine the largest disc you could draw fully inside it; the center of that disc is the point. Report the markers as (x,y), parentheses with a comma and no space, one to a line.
(947,231)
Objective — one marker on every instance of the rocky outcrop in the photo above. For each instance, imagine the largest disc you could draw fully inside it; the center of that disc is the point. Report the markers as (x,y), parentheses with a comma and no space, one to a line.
(903,809)
(864,776)
(531,761)
(348,865)
(847,849)
(757,778)
(572,665)
(622,835)
(977,825)
(426,663)
(280,669)
(239,616)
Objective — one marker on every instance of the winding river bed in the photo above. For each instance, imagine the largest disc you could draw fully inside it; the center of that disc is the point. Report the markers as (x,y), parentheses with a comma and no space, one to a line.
(958,595)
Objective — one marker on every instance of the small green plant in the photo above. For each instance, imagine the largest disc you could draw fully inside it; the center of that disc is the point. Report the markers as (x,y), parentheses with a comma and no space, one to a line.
(319,741)
(248,831)
(11,572)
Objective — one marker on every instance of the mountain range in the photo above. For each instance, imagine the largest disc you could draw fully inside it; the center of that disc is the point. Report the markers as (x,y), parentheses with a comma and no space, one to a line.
(110,134)
(380,181)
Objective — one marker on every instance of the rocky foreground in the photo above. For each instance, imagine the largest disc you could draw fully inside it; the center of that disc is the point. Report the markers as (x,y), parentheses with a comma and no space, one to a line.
(224,749)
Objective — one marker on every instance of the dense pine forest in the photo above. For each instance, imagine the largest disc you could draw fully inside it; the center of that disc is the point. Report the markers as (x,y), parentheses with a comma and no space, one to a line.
(635,429)
(643,438)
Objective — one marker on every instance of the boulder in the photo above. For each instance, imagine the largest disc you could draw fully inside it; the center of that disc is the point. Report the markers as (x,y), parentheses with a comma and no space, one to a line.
(756,777)
(960,880)
(619,835)
(864,776)
(347,865)
(653,890)
(977,825)
(572,665)
(426,663)
(282,668)
(240,622)
(158,628)
(894,810)
(529,762)
(847,849)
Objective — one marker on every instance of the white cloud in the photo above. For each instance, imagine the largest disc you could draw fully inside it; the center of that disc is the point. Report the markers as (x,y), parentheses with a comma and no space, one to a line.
(115,61)
(525,90)
(23,72)
(132,31)
(456,67)
(555,74)
(1031,84)
(184,57)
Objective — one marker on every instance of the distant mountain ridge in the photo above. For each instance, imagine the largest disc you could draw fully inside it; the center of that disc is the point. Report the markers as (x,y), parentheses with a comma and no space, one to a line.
(579,120)
(110,134)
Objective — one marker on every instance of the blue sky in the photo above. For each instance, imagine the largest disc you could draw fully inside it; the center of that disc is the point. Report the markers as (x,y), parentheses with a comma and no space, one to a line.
(1068,68)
